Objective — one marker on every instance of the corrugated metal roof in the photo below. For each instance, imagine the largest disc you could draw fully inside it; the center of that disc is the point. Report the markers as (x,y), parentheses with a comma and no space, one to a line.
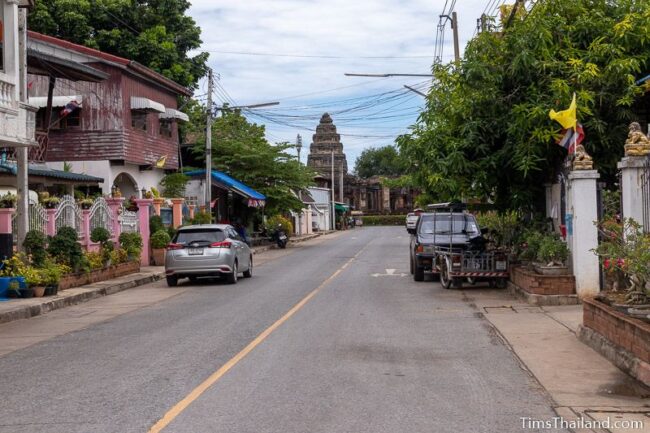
(45,171)
(229,182)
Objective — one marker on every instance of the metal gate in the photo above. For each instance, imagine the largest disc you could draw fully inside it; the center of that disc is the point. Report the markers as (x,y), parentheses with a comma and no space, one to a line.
(68,215)
(101,216)
(645,194)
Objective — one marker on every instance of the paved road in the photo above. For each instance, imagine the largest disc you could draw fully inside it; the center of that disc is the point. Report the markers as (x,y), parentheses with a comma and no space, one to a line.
(364,354)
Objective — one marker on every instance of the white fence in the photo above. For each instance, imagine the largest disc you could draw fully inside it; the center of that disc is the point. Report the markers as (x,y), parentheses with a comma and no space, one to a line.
(68,214)
(129,222)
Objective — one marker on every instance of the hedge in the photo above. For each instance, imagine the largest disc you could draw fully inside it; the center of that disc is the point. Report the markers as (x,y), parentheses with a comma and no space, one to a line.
(384,220)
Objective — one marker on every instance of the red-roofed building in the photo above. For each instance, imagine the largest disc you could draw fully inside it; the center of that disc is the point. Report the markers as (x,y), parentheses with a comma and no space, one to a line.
(123,129)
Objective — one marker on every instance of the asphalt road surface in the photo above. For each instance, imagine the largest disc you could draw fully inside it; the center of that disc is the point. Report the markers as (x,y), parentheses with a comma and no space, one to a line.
(329,336)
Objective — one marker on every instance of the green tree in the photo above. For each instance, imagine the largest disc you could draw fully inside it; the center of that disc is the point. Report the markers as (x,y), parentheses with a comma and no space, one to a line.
(241,150)
(486,132)
(379,161)
(156,33)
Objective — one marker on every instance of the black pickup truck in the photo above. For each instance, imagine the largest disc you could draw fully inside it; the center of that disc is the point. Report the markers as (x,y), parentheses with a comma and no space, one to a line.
(448,243)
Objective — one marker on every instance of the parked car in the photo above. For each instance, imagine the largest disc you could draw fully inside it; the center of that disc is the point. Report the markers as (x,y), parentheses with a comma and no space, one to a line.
(411,220)
(207,250)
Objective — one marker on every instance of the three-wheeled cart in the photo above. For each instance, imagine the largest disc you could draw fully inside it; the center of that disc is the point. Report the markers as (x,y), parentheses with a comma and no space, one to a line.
(471,260)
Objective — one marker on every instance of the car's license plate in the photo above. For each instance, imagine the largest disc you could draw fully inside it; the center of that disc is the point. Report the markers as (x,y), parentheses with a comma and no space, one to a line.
(501,266)
(195,251)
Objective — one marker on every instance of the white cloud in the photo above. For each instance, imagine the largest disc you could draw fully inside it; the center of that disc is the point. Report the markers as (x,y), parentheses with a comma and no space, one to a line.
(350,29)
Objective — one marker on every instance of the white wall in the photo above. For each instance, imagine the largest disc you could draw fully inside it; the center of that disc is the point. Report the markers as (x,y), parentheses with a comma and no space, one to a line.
(143,179)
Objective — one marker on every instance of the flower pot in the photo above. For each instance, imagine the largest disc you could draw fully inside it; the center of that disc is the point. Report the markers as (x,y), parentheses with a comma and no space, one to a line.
(39,291)
(26,292)
(158,255)
(550,270)
(51,290)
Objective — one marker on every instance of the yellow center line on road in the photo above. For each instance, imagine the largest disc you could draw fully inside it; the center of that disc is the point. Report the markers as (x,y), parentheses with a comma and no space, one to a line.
(214,377)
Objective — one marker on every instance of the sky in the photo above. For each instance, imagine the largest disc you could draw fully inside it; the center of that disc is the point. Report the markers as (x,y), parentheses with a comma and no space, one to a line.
(296,52)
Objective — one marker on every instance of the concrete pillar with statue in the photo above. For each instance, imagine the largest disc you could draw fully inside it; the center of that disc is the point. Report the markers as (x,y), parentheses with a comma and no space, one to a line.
(632,166)
(143,215)
(582,233)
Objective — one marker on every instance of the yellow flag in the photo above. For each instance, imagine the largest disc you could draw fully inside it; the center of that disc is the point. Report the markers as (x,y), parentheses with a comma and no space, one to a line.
(161,161)
(567,118)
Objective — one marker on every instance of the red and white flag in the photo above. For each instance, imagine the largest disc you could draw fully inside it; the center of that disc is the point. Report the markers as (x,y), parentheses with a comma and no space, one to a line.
(569,139)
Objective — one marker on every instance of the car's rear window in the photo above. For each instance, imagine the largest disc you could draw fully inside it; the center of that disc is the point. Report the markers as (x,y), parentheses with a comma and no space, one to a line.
(448,224)
(199,235)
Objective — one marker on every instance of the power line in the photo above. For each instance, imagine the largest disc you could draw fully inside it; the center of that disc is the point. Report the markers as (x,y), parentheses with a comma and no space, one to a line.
(315,56)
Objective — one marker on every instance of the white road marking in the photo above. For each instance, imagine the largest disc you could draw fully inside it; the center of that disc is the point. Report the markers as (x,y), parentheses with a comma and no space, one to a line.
(389,273)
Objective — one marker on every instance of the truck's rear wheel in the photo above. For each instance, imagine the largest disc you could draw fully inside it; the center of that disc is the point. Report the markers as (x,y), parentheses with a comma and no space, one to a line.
(445,279)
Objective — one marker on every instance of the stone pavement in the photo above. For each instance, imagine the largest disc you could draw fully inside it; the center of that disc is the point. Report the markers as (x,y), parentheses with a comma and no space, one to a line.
(581,382)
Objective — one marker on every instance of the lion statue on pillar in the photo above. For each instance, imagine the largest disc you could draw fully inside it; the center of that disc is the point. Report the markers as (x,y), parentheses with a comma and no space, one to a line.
(637,143)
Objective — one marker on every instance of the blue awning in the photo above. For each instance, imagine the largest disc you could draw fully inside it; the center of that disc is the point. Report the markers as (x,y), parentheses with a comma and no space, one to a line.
(255,199)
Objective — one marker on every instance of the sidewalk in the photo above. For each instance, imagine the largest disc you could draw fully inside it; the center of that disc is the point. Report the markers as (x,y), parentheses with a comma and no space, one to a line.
(580,381)
(15,309)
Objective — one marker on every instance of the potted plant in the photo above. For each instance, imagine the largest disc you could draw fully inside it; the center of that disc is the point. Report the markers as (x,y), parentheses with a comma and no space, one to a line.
(159,240)
(8,201)
(103,237)
(35,279)
(551,256)
(86,203)
(14,289)
(174,185)
(51,202)
(52,273)
(132,244)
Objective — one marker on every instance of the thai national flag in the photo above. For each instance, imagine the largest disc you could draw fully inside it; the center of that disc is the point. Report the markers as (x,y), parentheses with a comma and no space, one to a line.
(69,108)
(569,138)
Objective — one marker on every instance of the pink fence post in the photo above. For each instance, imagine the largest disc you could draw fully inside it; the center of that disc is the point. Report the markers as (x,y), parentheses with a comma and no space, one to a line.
(192,209)
(157,202)
(86,227)
(115,204)
(5,219)
(143,214)
(50,228)
(177,212)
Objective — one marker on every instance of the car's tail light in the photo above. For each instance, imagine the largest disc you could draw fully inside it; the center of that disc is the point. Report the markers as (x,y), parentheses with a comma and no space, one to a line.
(419,249)
(173,246)
(224,244)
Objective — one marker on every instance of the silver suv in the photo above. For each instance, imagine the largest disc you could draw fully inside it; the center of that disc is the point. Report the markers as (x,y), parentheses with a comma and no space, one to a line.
(207,250)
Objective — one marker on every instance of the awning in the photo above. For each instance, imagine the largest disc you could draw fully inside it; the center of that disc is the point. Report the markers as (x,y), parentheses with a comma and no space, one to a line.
(341,207)
(138,103)
(222,180)
(57,101)
(171,113)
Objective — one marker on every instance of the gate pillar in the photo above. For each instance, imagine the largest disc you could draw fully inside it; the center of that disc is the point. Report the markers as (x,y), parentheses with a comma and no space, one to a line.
(631,185)
(582,233)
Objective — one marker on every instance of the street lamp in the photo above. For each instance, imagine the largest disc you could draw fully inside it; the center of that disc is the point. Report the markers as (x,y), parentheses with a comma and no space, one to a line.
(298,145)
(208,147)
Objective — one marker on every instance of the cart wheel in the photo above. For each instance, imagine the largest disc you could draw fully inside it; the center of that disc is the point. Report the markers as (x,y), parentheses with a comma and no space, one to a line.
(445,268)
(471,281)
(502,283)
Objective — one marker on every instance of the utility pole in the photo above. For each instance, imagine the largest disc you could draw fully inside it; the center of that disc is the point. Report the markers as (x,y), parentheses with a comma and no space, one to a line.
(513,12)
(332,190)
(22,163)
(298,145)
(208,146)
(454,26)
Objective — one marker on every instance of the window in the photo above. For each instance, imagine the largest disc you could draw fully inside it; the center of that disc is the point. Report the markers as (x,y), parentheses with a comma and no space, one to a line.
(448,224)
(199,235)
(72,120)
(165,128)
(139,120)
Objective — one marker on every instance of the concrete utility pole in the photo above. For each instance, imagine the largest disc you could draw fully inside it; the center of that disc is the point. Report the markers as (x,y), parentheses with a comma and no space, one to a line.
(454,26)
(208,145)
(298,145)
(513,12)
(332,197)
(22,163)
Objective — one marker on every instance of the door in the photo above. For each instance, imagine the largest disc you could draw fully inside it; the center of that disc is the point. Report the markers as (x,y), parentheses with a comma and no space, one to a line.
(240,248)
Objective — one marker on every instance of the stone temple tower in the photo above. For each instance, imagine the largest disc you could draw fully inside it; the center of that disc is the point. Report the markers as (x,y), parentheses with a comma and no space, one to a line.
(325,141)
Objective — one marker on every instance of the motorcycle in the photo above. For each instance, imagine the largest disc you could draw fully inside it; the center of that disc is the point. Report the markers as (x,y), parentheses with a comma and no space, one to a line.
(279,237)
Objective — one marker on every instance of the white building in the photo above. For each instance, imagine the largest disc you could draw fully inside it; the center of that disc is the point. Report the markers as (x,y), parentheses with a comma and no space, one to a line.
(321,209)
(17,120)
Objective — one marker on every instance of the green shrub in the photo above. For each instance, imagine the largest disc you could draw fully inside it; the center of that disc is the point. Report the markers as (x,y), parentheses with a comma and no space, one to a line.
(174,185)
(95,260)
(65,248)
(155,224)
(383,220)
(36,246)
(202,218)
(160,239)
(100,235)
(286,225)
(132,244)
(552,250)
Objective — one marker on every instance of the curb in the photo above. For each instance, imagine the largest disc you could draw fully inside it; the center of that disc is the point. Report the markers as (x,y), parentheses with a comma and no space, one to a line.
(28,311)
